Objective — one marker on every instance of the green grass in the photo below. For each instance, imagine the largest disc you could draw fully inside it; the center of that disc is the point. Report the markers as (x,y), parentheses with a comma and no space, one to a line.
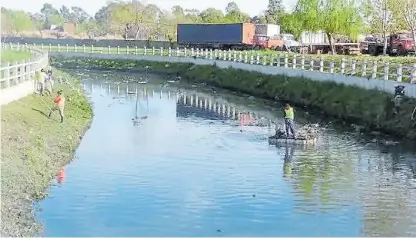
(14,56)
(33,148)
(268,57)
(370,108)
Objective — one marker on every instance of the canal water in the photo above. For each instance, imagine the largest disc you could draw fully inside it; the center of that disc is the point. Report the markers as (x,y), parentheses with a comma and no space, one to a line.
(183,170)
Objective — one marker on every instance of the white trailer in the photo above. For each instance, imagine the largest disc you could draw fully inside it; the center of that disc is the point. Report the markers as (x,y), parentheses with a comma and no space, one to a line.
(267,29)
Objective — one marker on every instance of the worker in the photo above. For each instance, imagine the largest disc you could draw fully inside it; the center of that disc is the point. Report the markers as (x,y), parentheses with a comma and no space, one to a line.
(289,121)
(40,81)
(60,105)
(51,81)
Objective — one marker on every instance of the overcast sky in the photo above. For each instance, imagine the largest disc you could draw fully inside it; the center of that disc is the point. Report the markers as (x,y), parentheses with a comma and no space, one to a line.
(92,6)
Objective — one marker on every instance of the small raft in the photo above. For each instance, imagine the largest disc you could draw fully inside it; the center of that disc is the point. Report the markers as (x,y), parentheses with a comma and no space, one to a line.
(306,135)
(273,140)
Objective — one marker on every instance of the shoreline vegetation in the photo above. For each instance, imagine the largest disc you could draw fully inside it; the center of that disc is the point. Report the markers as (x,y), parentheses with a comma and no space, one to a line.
(34,148)
(371,109)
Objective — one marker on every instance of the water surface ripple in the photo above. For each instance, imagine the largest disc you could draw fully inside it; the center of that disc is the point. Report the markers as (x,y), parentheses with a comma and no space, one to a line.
(193,176)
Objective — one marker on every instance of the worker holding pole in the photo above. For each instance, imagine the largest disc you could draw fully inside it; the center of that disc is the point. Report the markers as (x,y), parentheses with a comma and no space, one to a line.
(60,105)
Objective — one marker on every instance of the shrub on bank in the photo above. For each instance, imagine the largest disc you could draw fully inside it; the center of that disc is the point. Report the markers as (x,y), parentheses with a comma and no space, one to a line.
(370,108)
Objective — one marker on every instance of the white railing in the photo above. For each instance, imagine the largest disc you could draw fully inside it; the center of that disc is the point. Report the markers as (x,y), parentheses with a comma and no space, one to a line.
(17,77)
(366,67)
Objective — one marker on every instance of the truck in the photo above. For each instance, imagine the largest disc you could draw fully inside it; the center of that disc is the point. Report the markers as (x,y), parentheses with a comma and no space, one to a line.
(399,44)
(224,36)
(314,42)
(267,29)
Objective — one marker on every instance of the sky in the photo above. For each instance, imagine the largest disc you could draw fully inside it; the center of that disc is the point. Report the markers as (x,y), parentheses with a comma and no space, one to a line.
(92,6)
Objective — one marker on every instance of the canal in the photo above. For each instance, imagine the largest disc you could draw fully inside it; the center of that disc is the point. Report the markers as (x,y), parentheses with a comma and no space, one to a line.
(185,168)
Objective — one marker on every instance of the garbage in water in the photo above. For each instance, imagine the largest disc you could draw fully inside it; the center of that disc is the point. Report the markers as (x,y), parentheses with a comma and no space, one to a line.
(307,134)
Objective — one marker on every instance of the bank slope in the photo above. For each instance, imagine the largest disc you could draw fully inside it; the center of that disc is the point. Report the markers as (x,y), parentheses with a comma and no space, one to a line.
(370,108)
(33,148)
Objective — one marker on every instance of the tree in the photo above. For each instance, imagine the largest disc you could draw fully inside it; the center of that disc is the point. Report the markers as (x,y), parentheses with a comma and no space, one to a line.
(79,15)
(18,21)
(212,15)
(234,15)
(274,12)
(380,17)
(65,12)
(405,11)
(335,17)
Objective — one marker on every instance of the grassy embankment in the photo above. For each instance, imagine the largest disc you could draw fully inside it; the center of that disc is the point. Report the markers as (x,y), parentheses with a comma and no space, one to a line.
(33,148)
(369,108)
(14,56)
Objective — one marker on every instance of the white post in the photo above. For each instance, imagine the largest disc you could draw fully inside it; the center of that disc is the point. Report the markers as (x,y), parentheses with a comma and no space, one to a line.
(312,64)
(331,66)
(144,50)
(153,50)
(234,56)
(364,69)
(192,52)
(399,73)
(302,62)
(136,51)
(178,52)
(386,71)
(374,74)
(118,49)
(75,48)
(50,47)
(240,57)
(169,51)
(84,49)
(294,62)
(251,59)
(41,46)
(321,65)
(245,57)
(184,52)
(161,51)
(92,49)
(109,50)
(59,48)
(6,75)
(127,50)
(67,48)
(286,60)
(342,66)
(413,74)
(353,67)
(258,59)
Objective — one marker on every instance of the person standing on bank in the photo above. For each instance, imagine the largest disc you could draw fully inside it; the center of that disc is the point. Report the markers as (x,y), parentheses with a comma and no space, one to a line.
(60,105)
(289,121)
(40,80)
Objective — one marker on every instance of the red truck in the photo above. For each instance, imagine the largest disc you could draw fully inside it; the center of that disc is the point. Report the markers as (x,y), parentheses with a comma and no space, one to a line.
(237,36)
(400,44)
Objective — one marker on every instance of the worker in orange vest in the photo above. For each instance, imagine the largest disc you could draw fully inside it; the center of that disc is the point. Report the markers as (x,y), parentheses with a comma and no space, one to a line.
(60,105)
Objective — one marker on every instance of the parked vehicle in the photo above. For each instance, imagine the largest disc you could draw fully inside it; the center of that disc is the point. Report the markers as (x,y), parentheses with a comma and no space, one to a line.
(400,44)
(238,36)
(267,29)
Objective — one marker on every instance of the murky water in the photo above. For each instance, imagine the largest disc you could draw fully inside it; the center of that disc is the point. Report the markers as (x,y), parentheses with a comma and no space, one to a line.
(188,171)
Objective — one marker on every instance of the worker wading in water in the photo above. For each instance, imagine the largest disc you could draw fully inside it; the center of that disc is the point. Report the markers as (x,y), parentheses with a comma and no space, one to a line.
(289,121)
(60,105)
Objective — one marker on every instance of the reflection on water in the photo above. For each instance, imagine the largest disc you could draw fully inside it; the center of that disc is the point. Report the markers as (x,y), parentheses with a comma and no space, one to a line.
(188,170)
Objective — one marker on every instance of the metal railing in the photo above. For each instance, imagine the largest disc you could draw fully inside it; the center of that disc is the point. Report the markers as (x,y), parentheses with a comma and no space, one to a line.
(15,73)
(366,67)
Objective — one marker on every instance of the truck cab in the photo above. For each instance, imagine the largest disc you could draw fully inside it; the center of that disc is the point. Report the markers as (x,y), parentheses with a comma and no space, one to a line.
(401,43)
(267,42)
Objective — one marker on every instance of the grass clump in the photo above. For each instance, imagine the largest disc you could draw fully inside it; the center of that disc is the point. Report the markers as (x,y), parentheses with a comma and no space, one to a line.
(14,56)
(370,108)
(33,148)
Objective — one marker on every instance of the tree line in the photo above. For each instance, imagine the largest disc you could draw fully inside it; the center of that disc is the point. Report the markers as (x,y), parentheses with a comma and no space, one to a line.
(137,20)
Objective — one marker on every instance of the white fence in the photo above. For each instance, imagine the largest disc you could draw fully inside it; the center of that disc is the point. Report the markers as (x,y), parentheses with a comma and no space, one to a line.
(366,67)
(17,78)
